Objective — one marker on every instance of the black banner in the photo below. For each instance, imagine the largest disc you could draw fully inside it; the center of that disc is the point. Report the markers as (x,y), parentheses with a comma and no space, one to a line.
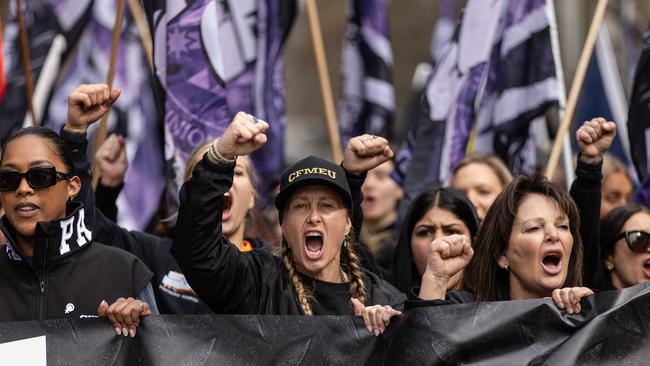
(612,329)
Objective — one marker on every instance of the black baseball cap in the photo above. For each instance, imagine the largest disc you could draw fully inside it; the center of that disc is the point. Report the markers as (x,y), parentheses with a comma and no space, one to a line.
(312,170)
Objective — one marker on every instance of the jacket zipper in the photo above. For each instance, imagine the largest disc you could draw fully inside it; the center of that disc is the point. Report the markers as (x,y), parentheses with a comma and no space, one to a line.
(42,281)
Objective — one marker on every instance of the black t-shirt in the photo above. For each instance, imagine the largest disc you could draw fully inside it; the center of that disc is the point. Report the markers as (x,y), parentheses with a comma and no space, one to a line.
(328,298)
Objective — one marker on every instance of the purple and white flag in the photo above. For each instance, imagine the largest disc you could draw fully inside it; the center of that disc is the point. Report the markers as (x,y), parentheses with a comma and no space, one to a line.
(132,116)
(499,72)
(368,96)
(44,20)
(213,59)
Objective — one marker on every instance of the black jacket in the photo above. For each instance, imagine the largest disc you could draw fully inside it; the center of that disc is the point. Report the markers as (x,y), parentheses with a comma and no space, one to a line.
(228,280)
(585,191)
(69,274)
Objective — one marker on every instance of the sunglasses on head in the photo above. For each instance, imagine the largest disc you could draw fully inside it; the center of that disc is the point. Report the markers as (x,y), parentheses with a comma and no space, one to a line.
(637,240)
(37,178)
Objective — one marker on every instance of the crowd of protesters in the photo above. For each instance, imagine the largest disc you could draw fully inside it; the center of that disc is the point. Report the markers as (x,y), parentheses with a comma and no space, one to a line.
(336,246)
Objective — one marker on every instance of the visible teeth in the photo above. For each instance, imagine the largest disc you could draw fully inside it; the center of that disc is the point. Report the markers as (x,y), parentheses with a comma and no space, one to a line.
(312,233)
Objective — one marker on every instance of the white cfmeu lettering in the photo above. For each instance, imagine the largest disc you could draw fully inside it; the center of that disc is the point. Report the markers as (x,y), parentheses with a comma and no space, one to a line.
(305,171)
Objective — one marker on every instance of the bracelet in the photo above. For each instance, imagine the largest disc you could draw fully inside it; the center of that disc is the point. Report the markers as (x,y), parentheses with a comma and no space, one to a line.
(215,157)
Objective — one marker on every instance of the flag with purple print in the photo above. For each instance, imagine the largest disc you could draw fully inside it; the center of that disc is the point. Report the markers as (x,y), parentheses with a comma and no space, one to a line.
(368,97)
(45,20)
(215,58)
(638,122)
(132,116)
(471,87)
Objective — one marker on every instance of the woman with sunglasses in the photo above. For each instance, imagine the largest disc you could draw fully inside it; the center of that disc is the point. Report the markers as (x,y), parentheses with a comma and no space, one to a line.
(50,266)
(625,246)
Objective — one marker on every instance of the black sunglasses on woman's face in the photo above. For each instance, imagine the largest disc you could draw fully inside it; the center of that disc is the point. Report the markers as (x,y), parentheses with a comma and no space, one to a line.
(37,178)
(637,240)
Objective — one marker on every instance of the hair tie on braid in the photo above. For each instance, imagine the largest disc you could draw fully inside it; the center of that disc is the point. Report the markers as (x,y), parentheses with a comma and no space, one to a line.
(302,294)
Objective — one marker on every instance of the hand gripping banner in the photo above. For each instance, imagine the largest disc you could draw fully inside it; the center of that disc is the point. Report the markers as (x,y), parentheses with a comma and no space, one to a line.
(612,329)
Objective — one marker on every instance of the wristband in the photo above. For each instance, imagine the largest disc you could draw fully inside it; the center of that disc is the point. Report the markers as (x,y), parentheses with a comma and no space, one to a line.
(215,157)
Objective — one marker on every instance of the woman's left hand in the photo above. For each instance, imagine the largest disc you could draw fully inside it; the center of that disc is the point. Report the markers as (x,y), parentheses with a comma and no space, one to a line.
(376,317)
(124,314)
(568,298)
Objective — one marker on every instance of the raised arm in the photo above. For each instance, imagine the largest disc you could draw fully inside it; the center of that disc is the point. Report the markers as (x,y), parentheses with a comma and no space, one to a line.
(227,280)
(594,139)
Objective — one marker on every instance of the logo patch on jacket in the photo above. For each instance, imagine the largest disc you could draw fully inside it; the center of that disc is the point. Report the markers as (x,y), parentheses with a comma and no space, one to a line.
(175,284)
(73,231)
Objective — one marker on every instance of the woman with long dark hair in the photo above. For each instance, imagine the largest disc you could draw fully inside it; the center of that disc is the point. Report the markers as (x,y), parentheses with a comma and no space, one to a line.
(434,213)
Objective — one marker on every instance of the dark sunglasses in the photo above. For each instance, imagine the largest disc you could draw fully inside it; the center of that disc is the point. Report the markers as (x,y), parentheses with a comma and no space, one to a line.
(638,241)
(37,178)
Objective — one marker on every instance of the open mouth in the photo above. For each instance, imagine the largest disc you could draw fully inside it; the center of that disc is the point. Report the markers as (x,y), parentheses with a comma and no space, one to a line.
(552,263)
(227,204)
(314,245)
(26,209)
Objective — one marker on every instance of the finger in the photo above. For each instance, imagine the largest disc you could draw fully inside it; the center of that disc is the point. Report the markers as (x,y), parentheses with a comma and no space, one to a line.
(566,299)
(115,94)
(111,317)
(557,299)
(119,315)
(132,330)
(260,139)
(146,310)
(130,310)
(101,309)
(357,146)
(609,127)
(357,306)
(80,99)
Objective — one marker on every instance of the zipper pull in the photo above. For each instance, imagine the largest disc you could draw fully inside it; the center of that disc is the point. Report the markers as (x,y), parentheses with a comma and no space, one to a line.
(42,283)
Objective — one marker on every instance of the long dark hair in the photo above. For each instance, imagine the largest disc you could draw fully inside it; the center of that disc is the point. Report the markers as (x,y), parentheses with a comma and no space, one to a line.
(61,148)
(483,277)
(406,275)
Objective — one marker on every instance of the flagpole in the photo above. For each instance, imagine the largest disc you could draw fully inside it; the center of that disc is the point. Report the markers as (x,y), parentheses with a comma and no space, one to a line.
(143,30)
(323,75)
(101,132)
(26,59)
(576,87)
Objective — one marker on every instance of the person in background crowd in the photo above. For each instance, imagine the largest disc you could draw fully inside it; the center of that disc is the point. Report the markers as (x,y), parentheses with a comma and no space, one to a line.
(435,213)
(51,265)
(527,247)
(381,195)
(625,244)
(481,178)
(617,185)
(318,272)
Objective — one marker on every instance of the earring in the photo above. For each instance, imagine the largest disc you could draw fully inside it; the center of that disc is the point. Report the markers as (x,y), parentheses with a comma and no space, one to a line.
(506,267)
(610,267)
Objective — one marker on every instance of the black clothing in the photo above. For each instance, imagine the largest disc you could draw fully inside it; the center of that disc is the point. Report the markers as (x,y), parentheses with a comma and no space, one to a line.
(585,191)
(452,297)
(242,283)
(173,294)
(70,273)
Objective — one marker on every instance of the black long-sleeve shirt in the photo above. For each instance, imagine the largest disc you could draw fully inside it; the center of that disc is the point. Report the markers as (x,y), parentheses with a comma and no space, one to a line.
(253,282)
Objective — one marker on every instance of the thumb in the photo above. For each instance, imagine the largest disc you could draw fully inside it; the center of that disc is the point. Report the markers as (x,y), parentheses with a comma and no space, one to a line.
(358,307)
(115,94)
(101,310)
(609,126)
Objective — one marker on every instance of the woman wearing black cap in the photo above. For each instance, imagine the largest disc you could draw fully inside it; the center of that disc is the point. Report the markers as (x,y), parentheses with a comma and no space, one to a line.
(318,272)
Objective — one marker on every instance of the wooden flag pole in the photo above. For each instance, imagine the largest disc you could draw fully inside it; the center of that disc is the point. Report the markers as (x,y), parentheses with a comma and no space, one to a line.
(101,132)
(143,30)
(576,87)
(26,60)
(323,75)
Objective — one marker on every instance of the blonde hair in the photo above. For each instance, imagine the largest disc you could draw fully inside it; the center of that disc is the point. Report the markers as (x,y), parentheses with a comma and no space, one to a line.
(612,165)
(494,163)
(352,269)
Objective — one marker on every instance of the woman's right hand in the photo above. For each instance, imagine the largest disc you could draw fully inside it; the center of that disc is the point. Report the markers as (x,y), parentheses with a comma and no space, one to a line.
(244,135)
(447,255)
(87,103)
